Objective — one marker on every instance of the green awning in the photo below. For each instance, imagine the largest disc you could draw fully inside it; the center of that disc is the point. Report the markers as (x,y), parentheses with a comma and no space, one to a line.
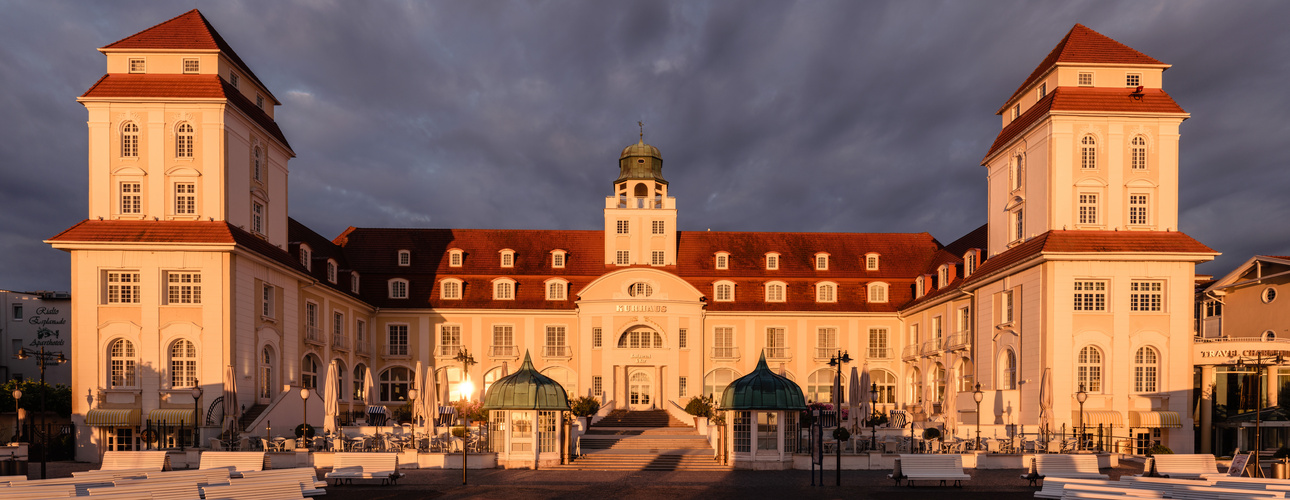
(763,390)
(172,417)
(526,389)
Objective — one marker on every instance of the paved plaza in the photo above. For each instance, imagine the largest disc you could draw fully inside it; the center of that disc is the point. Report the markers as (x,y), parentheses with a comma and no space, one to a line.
(515,484)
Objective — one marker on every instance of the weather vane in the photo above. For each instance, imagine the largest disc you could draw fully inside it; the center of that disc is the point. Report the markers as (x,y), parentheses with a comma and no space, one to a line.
(642,126)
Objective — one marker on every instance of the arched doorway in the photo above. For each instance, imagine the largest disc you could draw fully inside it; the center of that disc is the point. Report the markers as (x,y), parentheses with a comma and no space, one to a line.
(640,388)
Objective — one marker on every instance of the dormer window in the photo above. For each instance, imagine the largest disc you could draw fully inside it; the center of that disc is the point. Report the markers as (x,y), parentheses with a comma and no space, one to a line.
(1086,79)
(137,65)
(259,101)
(821,261)
(405,258)
(454,258)
(919,283)
(450,289)
(557,259)
(398,288)
(353,282)
(723,291)
(722,260)
(1016,111)
(331,270)
(232,79)
(191,66)
(503,289)
(871,262)
(775,291)
(877,292)
(557,289)
(508,257)
(942,276)
(1042,91)
(772,261)
(969,262)
(826,292)
(306,257)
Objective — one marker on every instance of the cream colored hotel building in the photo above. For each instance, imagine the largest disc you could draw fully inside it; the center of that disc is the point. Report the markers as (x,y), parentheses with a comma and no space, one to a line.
(188,264)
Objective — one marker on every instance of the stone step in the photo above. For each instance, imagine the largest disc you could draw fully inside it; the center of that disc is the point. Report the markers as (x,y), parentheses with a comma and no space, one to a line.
(646,445)
(646,463)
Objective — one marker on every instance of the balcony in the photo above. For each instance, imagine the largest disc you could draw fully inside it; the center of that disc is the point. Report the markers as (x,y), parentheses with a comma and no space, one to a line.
(777,353)
(396,350)
(929,348)
(879,353)
(339,342)
(361,347)
(825,353)
(958,341)
(725,353)
(910,352)
(449,350)
(557,351)
(503,351)
(313,335)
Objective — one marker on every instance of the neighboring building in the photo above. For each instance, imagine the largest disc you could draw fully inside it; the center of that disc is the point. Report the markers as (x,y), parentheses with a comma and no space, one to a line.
(33,320)
(188,264)
(1242,338)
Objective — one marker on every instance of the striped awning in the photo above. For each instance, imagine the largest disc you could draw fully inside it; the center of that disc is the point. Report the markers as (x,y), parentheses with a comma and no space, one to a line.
(171,417)
(1155,419)
(101,417)
(1093,418)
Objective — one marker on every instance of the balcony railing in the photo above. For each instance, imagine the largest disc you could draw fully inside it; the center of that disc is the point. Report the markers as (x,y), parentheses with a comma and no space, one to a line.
(557,351)
(825,352)
(313,335)
(449,349)
(502,351)
(958,341)
(879,353)
(396,350)
(928,348)
(362,348)
(910,352)
(777,353)
(725,352)
(339,342)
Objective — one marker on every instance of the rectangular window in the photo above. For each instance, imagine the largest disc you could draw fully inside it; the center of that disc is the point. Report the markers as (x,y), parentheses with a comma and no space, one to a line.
(936,330)
(338,325)
(557,260)
(656,258)
(449,339)
(1016,111)
(1090,295)
(767,431)
(1138,210)
(1043,91)
(723,342)
(821,262)
(772,262)
(233,79)
(546,431)
(1018,225)
(681,341)
(743,431)
(123,287)
(624,257)
(623,227)
(259,101)
(597,337)
(878,346)
(360,335)
(1138,157)
(555,341)
(1146,296)
(1132,80)
(398,342)
(398,289)
(1085,79)
(775,343)
(191,65)
(131,198)
(257,217)
(965,319)
(1087,208)
(311,321)
(681,384)
(597,385)
(1009,313)
(826,341)
(185,198)
(17,312)
(183,288)
(508,260)
(121,439)
(137,65)
(267,307)
(503,340)
(656,227)
(723,261)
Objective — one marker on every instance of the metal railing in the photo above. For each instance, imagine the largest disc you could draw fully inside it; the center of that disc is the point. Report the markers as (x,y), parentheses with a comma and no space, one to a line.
(449,349)
(396,350)
(362,347)
(879,352)
(928,348)
(557,351)
(339,342)
(502,351)
(910,352)
(825,352)
(958,341)
(778,353)
(312,334)
(725,352)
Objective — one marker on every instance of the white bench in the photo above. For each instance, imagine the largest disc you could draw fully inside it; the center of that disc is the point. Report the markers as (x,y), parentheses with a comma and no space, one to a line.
(254,491)
(1067,466)
(930,468)
(351,466)
(38,492)
(202,477)
(1206,492)
(159,489)
(1056,486)
(1186,466)
(1091,491)
(119,460)
(12,479)
(307,477)
(241,461)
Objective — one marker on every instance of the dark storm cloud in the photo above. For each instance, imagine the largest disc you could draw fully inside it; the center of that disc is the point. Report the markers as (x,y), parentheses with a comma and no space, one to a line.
(771,116)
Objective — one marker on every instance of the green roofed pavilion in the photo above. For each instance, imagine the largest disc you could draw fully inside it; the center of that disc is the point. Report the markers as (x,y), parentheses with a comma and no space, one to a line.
(763,390)
(526,389)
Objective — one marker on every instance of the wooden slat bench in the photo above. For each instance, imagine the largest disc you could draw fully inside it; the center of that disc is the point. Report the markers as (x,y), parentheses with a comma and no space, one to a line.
(119,460)
(161,489)
(1187,466)
(241,461)
(931,468)
(44,491)
(307,477)
(351,466)
(282,490)
(1206,492)
(203,477)
(1067,466)
(12,479)
(1054,487)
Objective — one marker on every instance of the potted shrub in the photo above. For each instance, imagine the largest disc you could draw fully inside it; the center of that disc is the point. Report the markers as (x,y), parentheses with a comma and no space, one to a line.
(699,407)
(584,407)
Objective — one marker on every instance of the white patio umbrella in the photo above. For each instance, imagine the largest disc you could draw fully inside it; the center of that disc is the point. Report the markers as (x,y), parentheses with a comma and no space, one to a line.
(949,409)
(1046,401)
(860,405)
(368,386)
(418,382)
(230,398)
(429,402)
(331,403)
(836,394)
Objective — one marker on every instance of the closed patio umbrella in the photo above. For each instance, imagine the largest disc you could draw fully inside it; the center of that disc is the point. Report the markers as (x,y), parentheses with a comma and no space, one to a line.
(368,386)
(853,399)
(230,399)
(331,403)
(859,399)
(429,402)
(1046,401)
(418,382)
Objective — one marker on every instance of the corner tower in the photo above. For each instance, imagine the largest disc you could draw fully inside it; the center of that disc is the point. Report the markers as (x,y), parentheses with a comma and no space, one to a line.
(640,218)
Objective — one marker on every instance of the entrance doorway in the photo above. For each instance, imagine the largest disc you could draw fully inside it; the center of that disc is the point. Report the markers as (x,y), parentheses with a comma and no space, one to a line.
(640,387)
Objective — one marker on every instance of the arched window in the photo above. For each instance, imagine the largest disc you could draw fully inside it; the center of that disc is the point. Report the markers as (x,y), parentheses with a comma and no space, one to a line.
(871,261)
(130,140)
(257,158)
(724,291)
(640,337)
(722,260)
(715,382)
(1007,370)
(504,289)
(496,373)
(266,373)
(360,378)
(450,289)
(183,364)
(121,364)
(775,291)
(184,141)
(826,292)
(915,386)
(449,379)
(394,383)
(963,373)
(1088,152)
(556,289)
(886,386)
(398,288)
(939,380)
(877,292)
(331,270)
(1145,370)
(353,281)
(564,376)
(309,371)
(1138,153)
(640,290)
(1089,369)
(508,257)
(819,385)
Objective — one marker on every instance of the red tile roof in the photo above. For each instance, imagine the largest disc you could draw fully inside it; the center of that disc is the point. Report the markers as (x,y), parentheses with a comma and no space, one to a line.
(1072,241)
(1117,100)
(183,87)
(176,232)
(187,31)
(1083,45)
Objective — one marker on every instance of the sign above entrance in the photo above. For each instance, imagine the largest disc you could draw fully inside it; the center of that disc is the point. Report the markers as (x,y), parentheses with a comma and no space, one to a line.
(1232,353)
(641,358)
(640,309)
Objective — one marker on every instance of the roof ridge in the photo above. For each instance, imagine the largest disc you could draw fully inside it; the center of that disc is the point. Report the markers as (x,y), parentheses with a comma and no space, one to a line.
(173,19)
(1082,44)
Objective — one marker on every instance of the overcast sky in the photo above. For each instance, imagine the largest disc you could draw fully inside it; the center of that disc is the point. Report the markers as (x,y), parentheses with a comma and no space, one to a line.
(771,116)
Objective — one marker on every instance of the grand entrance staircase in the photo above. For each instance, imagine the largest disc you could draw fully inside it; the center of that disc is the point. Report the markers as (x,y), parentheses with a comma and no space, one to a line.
(644,440)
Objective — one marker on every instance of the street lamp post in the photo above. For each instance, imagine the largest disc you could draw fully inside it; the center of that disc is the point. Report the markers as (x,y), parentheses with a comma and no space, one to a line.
(464,357)
(1081,396)
(197,405)
(837,361)
(17,395)
(42,358)
(977,396)
(873,415)
(304,417)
